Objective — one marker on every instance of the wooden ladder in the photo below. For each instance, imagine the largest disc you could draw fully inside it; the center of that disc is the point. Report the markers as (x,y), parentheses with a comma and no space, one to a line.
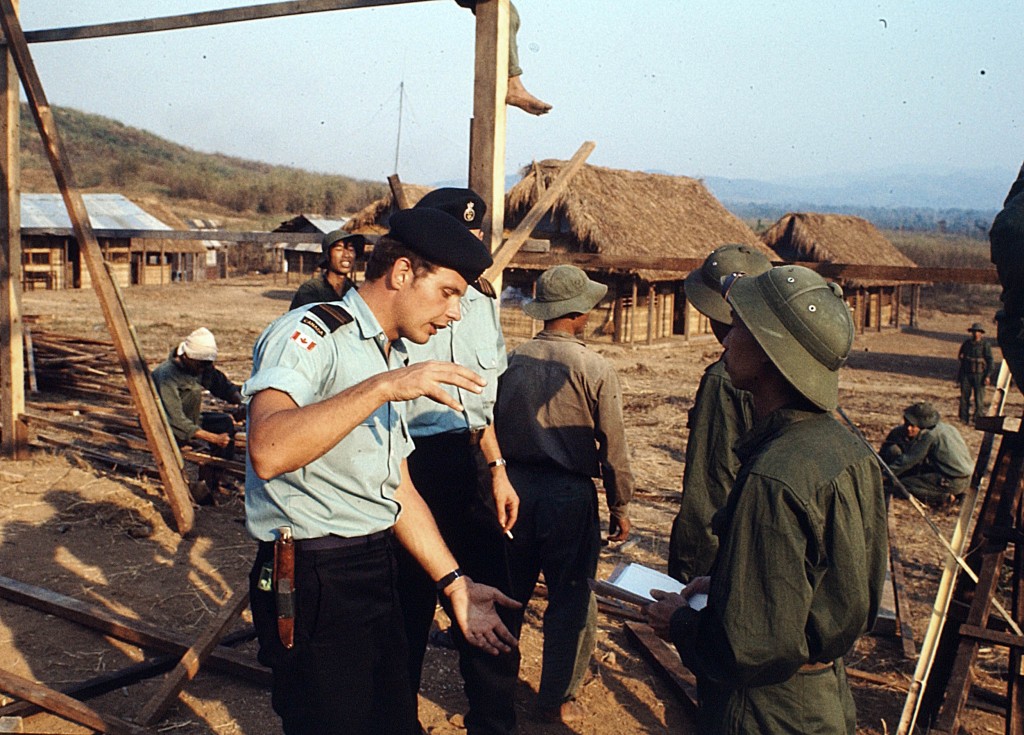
(968,624)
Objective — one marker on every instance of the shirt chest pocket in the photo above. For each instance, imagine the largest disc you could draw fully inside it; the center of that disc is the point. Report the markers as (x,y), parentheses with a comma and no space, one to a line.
(485,360)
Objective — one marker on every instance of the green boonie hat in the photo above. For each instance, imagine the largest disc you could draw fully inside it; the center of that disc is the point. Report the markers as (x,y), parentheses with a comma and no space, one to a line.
(563,290)
(976,327)
(802,323)
(922,415)
(335,236)
(703,286)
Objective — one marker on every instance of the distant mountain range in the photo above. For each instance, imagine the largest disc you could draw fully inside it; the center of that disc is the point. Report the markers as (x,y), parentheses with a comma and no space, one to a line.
(977,190)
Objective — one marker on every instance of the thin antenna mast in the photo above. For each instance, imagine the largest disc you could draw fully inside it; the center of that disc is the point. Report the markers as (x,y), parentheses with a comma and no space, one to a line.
(398,140)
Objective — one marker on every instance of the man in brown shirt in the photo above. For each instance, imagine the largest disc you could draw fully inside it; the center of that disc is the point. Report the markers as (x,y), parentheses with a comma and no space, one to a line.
(559,420)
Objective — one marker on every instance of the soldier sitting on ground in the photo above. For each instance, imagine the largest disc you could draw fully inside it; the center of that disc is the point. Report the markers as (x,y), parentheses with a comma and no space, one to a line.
(928,456)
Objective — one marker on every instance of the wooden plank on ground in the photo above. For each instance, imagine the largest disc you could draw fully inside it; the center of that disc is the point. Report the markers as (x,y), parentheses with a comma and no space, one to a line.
(65,706)
(188,666)
(111,680)
(899,588)
(137,632)
(666,662)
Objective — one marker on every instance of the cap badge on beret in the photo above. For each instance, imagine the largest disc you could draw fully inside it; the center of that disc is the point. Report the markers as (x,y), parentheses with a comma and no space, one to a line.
(469,215)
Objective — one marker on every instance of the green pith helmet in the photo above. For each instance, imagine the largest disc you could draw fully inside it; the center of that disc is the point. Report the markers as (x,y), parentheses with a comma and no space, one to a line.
(922,415)
(802,323)
(702,285)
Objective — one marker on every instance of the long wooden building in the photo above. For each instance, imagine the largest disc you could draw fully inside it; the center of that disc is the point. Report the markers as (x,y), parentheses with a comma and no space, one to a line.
(624,213)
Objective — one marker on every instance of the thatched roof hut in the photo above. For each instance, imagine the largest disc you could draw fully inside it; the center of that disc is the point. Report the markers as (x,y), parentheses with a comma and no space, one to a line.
(833,238)
(617,212)
(372,219)
(842,238)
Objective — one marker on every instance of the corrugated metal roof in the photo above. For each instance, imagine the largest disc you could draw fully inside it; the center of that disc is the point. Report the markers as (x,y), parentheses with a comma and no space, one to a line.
(325,225)
(106,212)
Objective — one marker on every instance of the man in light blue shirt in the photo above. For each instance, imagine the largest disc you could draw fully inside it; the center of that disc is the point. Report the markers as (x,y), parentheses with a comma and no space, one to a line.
(327,447)
(459,471)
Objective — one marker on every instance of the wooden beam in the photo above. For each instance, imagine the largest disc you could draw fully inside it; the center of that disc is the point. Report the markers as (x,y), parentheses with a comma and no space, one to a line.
(487,128)
(194,657)
(136,632)
(198,20)
(198,235)
(65,706)
(398,192)
(915,275)
(666,663)
(12,376)
(504,254)
(111,680)
(151,415)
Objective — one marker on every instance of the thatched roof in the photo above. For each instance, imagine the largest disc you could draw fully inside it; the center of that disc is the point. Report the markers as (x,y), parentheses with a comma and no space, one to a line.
(833,238)
(616,212)
(372,219)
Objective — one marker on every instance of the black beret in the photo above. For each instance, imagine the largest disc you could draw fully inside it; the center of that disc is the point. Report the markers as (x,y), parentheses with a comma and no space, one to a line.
(442,240)
(464,205)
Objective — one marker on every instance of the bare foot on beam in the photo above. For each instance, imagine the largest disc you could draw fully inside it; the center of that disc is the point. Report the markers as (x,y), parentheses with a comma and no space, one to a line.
(517,96)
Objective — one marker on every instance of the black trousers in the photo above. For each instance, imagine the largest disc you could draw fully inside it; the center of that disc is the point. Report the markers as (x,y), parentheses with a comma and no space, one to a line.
(446,471)
(219,423)
(346,674)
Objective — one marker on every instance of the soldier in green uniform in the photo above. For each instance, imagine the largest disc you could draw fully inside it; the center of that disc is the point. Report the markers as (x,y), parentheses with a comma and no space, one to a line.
(1007,238)
(340,250)
(975,358)
(802,539)
(928,455)
(721,414)
(180,381)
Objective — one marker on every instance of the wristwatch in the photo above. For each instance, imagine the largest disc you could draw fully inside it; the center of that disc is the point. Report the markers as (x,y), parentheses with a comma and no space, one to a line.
(499,462)
(448,579)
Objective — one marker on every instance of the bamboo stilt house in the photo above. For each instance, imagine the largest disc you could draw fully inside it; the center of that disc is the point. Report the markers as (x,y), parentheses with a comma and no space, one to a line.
(841,238)
(624,213)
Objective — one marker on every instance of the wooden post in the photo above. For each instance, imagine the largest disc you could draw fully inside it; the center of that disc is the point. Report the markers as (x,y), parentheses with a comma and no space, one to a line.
(651,314)
(915,304)
(398,192)
(487,129)
(632,314)
(617,314)
(12,355)
(897,299)
(151,414)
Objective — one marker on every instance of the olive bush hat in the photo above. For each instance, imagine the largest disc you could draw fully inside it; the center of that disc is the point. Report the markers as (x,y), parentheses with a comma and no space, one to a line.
(563,290)
(703,285)
(976,327)
(802,323)
(922,415)
(328,241)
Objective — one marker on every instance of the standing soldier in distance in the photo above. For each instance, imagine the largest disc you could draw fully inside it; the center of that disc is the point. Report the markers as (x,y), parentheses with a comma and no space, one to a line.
(975,371)
(340,251)
(721,414)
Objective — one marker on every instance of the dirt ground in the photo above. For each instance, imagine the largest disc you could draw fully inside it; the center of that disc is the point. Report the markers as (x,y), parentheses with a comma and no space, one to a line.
(106,537)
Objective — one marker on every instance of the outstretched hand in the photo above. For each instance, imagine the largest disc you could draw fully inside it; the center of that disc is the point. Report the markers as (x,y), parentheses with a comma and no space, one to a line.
(473,607)
(426,379)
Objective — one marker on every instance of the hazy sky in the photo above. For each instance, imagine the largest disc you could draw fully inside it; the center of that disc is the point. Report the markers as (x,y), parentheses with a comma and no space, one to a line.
(742,89)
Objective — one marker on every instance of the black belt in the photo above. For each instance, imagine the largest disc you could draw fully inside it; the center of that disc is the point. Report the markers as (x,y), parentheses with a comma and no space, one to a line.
(327,543)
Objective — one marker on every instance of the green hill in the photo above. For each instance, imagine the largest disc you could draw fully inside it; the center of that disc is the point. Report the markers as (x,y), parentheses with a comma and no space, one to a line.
(109,156)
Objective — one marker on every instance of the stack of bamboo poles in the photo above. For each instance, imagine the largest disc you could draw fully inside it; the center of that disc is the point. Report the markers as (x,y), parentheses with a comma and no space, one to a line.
(77,400)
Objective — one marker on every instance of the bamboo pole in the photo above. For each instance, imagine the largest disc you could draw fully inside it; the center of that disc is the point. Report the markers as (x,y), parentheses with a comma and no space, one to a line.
(154,421)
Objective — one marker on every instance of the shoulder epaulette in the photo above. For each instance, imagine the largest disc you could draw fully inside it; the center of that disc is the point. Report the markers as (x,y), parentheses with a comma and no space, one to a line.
(332,316)
(485,287)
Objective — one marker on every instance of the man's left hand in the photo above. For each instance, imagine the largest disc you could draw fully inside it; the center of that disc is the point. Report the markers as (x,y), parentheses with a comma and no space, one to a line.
(618,528)
(473,607)
(506,500)
(659,613)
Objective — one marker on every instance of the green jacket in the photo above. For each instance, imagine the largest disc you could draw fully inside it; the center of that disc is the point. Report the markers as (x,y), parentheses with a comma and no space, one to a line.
(316,291)
(181,393)
(938,449)
(721,414)
(798,577)
(975,359)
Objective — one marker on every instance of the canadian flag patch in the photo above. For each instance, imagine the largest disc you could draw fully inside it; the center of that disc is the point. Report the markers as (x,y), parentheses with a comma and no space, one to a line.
(303,341)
